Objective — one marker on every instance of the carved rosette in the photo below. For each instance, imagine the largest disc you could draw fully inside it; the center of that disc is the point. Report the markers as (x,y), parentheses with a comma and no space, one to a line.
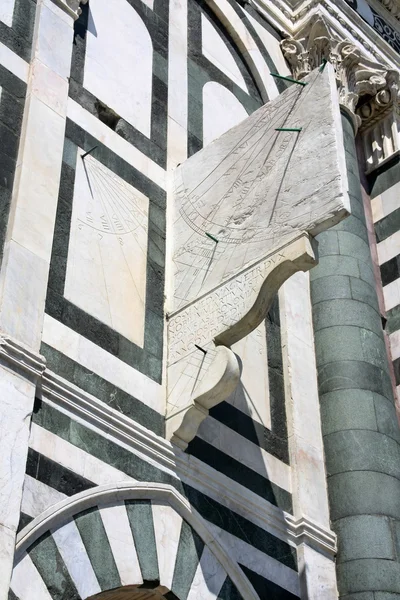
(368,91)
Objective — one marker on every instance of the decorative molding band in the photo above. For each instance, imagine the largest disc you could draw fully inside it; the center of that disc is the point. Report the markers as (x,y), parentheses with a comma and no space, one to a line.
(289,19)
(71,7)
(393,6)
(312,534)
(189,469)
(20,357)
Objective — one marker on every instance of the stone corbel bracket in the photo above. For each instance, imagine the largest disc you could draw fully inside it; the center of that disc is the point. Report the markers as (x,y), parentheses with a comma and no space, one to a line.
(203,370)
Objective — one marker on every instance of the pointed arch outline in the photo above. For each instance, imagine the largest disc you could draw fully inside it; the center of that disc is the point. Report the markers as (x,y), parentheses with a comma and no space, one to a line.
(118,492)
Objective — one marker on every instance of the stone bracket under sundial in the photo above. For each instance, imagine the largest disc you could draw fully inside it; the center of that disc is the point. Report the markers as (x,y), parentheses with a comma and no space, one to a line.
(246,208)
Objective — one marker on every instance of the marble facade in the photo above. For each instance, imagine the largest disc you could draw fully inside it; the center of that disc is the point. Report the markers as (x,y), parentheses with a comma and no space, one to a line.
(165,425)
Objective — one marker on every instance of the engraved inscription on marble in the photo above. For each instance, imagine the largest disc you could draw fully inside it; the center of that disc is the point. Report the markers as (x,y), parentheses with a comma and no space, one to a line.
(106,269)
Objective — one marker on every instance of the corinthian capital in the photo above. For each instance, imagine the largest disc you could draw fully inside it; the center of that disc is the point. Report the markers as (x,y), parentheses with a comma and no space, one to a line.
(358,78)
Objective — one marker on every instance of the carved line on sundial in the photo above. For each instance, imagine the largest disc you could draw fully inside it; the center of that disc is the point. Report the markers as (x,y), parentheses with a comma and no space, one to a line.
(120,212)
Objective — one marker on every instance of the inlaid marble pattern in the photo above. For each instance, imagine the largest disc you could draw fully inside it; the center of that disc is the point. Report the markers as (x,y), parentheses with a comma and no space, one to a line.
(106,265)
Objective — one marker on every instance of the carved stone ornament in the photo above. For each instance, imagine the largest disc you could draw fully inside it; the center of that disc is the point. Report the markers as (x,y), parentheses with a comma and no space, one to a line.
(71,7)
(393,6)
(357,77)
(246,208)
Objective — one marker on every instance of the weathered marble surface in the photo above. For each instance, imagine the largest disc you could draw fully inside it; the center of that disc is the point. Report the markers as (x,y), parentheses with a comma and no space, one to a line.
(106,268)
(259,193)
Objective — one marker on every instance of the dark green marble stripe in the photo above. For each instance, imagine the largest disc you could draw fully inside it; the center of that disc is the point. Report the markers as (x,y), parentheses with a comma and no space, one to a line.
(267,590)
(388,225)
(122,459)
(141,521)
(51,567)
(24,520)
(385,176)
(98,548)
(103,390)
(12,596)
(190,549)
(229,591)
(259,484)
(393,319)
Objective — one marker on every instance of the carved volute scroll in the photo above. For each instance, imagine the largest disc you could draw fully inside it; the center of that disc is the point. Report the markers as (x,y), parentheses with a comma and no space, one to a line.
(357,77)
(245,210)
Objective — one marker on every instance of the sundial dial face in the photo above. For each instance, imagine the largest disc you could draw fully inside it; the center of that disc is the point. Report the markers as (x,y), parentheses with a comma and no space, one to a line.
(245,209)
(254,187)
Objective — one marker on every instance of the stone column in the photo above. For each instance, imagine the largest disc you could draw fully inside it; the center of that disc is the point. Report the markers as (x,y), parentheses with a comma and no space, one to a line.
(26,258)
(360,431)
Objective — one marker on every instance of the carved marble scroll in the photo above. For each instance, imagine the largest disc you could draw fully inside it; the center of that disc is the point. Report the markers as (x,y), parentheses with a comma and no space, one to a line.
(244,209)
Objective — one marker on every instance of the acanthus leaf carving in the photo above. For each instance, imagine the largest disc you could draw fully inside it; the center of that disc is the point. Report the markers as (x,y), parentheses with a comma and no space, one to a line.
(358,79)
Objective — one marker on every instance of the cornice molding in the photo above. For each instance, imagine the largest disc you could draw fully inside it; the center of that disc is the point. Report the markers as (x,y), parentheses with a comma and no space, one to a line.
(393,6)
(20,358)
(341,17)
(169,458)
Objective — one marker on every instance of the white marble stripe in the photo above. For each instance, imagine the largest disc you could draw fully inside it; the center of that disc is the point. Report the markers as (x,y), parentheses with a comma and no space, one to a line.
(74,555)
(73,458)
(97,360)
(252,558)
(231,443)
(208,579)
(395,344)
(388,248)
(26,583)
(391,294)
(116,143)
(38,497)
(177,83)
(119,533)
(167,529)
(14,63)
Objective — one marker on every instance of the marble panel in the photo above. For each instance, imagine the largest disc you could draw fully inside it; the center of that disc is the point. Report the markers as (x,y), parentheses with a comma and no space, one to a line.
(53,31)
(377,209)
(252,396)
(217,52)
(208,578)
(74,458)
(13,63)
(247,555)
(390,199)
(23,280)
(16,405)
(389,248)
(391,294)
(272,46)
(395,344)
(304,428)
(119,60)
(26,583)
(37,177)
(116,143)
(116,524)
(221,111)
(255,188)
(177,64)
(6,12)
(38,497)
(231,443)
(318,576)
(107,254)
(49,87)
(99,361)
(74,555)
(167,528)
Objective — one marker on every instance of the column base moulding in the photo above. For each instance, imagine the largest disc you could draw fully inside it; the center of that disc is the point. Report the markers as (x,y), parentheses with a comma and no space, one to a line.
(118,428)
